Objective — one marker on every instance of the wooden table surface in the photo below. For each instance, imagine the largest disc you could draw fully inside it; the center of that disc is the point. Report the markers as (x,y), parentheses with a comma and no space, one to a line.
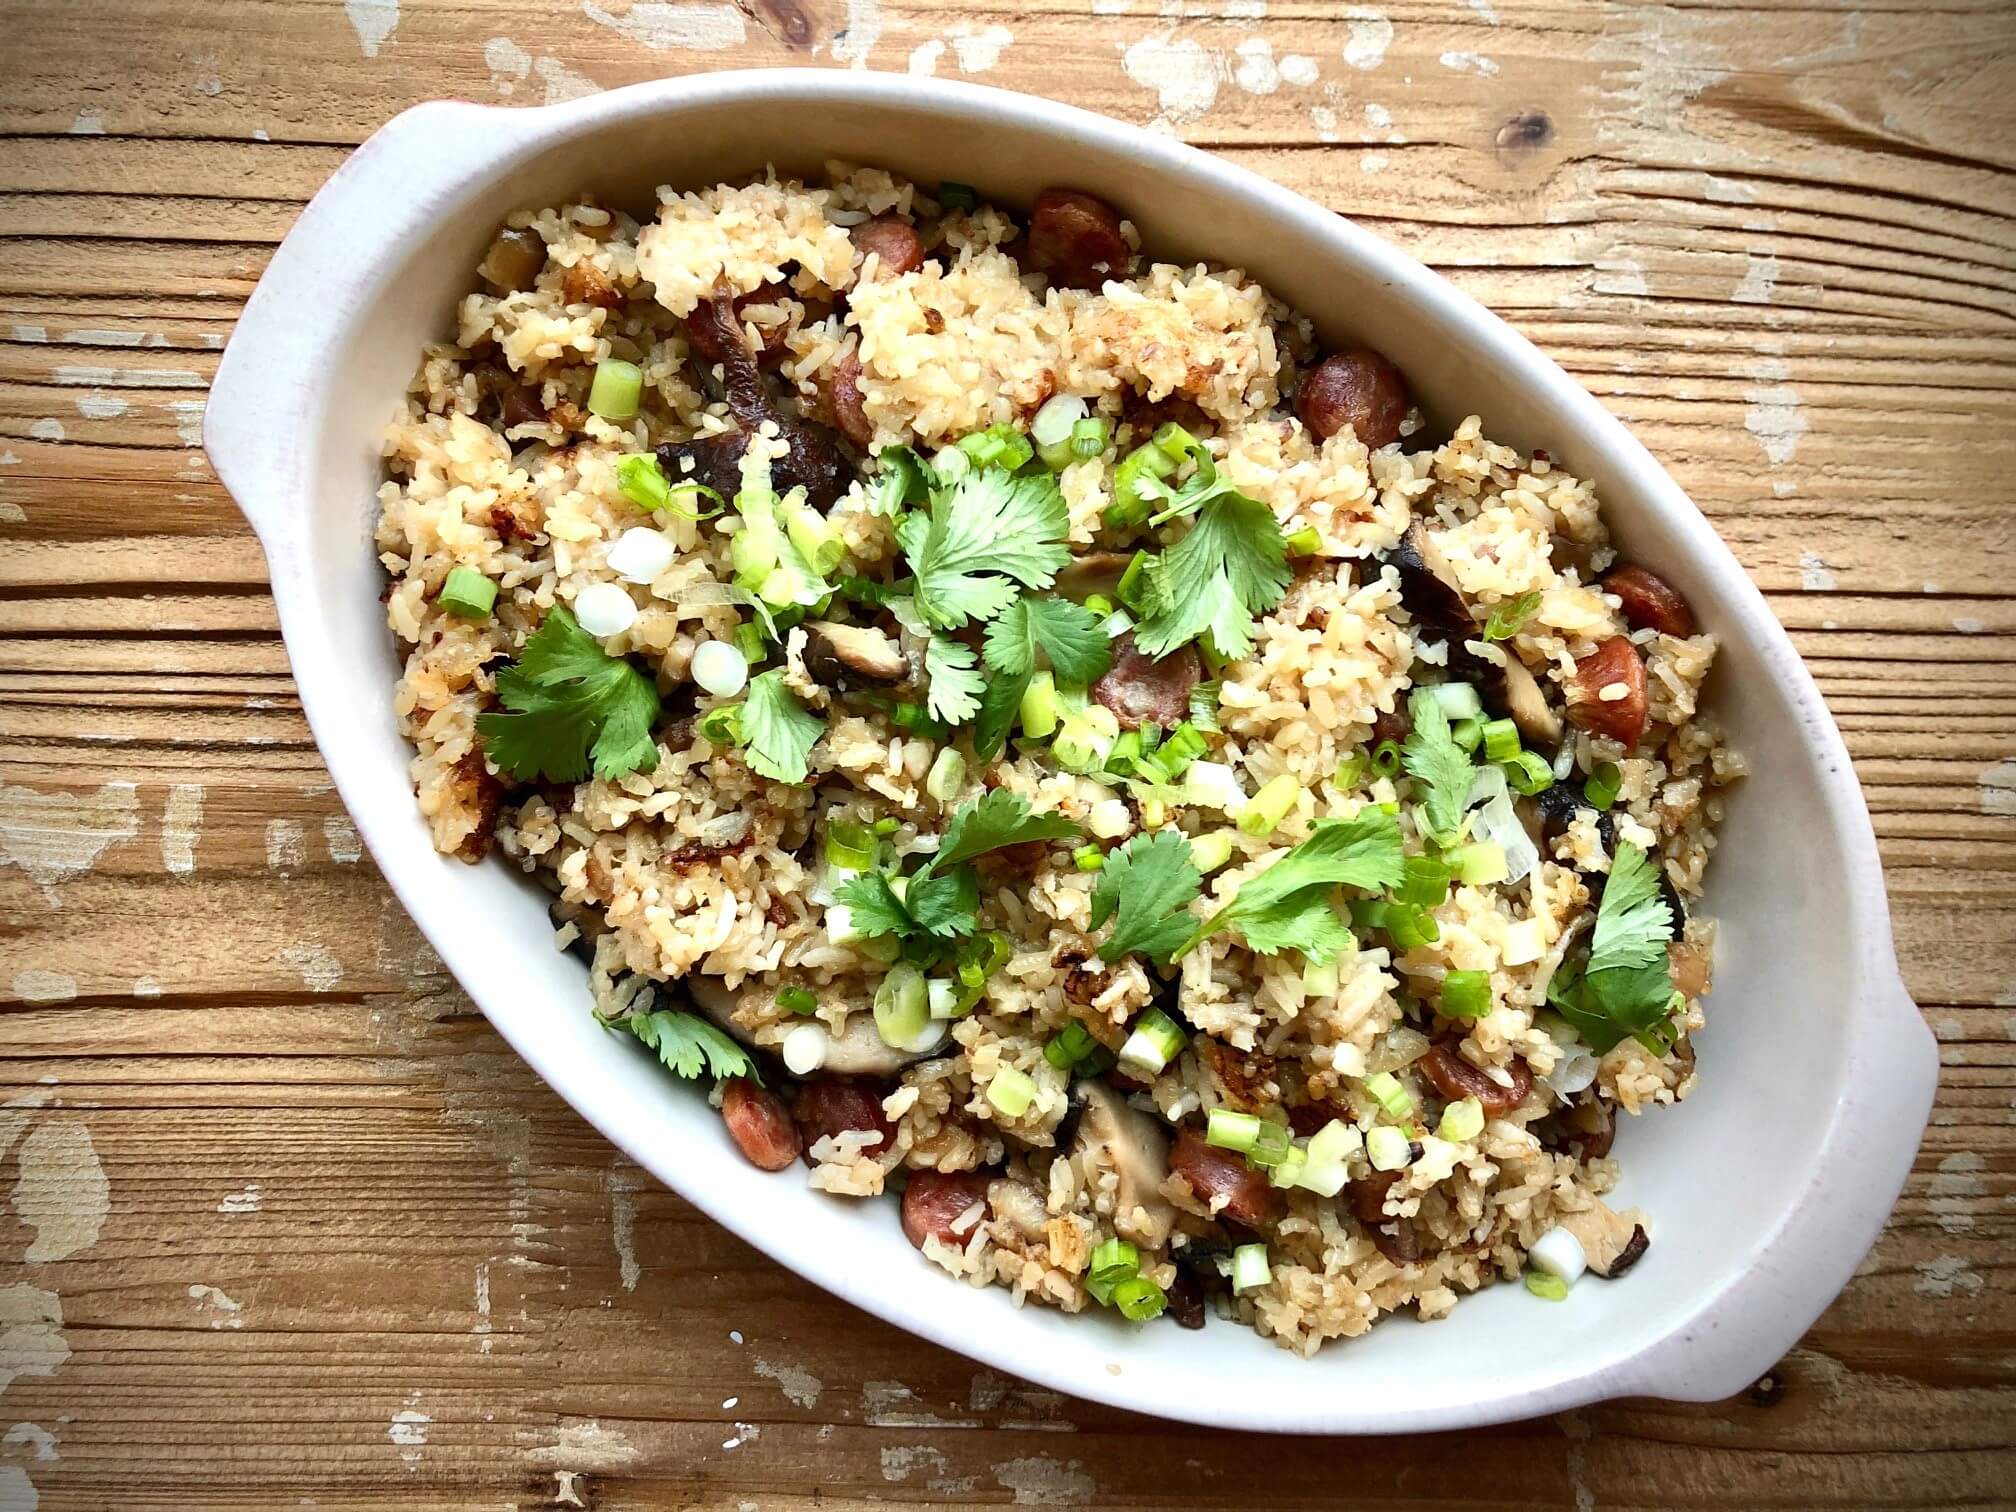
(285,1223)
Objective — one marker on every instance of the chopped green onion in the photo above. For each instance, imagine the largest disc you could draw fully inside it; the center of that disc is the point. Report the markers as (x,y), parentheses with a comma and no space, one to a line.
(887,827)
(1529,773)
(914,716)
(1051,430)
(1352,771)
(1085,736)
(1211,850)
(1089,858)
(1231,1130)
(944,999)
(1549,1288)
(1287,1171)
(1069,1046)
(902,1007)
(1387,1148)
(642,481)
(1099,604)
(904,479)
(1126,751)
(1204,708)
(1152,1043)
(1466,994)
(1267,808)
(1386,758)
(797,999)
(1424,882)
(1304,542)
(850,846)
(1602,787)
(1138,484)
(1250,1270)
(1478,864)
(997,446)
(1113,1262)
(840,926)
(721,725)
(817,538)
(1501,740)
(1011,1091)
(1139,1299)
(1129,590)
(467,594)
(978,959)
(957,196)
(1327,1161)
(1458,700)
(1186,743)
(1089,437)
(1370,913)
(1467,733)
(1271,1146)
(1039,707)
(1384,1088)
(616,389)
(1320,979)
(1510,617)
(1411,927)
(1462,1121)
(947,775)
(749,641)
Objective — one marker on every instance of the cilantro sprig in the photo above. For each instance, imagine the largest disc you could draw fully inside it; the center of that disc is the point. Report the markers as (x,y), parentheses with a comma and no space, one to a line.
(942,897)
(1231,568)
(1441,769)
(777,731)
(572,709)
(988,532)
(1625,986)
(1146,887)
(1066,635)
(686,1042)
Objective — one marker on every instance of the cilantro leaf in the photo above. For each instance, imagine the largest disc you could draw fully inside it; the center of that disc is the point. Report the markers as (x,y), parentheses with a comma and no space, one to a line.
(955,680)
(945,904)
(684,1041)
(1069,634)
(989,522)
(573,709)
(1626,985)
(1276,910)
(1306,921)
(1230,568)
(988,823)
(1149,883)
(1440,767)
(777,730)
(999,706)
(876,908)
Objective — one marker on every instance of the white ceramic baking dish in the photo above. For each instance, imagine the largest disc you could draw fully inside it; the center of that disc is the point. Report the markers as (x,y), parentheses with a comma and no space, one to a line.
(1764,1190)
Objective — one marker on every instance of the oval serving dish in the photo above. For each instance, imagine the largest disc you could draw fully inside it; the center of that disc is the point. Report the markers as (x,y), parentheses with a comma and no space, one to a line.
(1765,1188)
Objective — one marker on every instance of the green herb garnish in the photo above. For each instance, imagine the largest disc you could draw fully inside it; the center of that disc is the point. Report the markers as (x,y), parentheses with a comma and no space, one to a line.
(572,709)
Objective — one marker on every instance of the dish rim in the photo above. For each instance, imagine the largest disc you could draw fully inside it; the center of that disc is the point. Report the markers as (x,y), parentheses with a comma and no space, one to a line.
(254,432)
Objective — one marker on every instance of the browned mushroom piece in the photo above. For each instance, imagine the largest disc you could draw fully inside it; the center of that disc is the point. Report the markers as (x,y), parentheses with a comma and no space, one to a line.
(587,284)
(847,403)
(1095,572)
(1140,689)
(1612,698)
(1586,1128)
(1455,1078)
(1076,238)
(1118,1137)
(1611,1242)
(1570,555)
(1394,1237)
(838,655)
(512,264)
(1429,592)
(716,322)
(1649,601)
(1357,390)
(520,404)
(892,241)
(812,459)
(1186,1299)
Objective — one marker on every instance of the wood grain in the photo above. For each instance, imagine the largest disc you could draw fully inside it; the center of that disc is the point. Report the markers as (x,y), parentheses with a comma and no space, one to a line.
(320,1235)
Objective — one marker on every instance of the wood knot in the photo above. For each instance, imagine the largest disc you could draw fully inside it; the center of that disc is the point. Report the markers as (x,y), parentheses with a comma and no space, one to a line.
(788,21)
(1528,131)
(1768,1390)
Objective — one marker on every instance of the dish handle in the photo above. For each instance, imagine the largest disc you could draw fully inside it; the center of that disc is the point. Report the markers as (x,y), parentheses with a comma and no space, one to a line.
(1801,1266)
(258,416)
